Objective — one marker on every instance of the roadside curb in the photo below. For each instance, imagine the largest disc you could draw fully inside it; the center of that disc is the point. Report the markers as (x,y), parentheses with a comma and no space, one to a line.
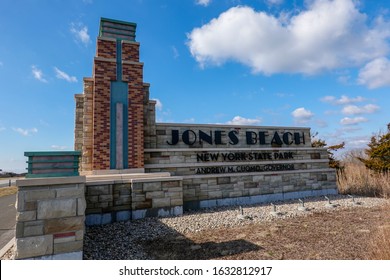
(7,247)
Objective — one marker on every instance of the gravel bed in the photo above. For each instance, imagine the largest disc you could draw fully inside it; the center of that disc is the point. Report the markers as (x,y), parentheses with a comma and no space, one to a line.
(123,240)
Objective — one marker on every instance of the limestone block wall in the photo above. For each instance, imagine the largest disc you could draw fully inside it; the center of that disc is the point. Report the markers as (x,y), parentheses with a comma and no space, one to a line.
(157,197)
(50,218)
(107,202)
(239,164)
(120,200)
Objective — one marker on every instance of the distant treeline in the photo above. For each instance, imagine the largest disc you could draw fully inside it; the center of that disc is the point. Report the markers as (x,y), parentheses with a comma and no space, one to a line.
(11,174)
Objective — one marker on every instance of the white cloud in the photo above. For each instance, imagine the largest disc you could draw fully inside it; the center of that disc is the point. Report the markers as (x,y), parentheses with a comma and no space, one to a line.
(57,147)
(343,100)
(38,74)
(175,52)
(274,2)
(25,132)
(327,35)
(353,121)
(190,120)
(321,123)
(203,2)
(237,120)
(2,128)
(375,74)
(159,105)
(64,76)
(301,115)
(80,32)
(355,110)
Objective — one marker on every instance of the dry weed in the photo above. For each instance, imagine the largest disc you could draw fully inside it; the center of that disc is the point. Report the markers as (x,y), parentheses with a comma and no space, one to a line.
(380,244)
(356,179)
(8,190)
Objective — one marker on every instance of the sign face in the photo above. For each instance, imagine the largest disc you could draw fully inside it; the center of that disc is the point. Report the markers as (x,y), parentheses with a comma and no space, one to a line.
(244,168)
(233,137)
(244,157)
(226,149)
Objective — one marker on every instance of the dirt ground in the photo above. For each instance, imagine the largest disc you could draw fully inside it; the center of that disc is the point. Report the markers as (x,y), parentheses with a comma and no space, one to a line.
(345,234)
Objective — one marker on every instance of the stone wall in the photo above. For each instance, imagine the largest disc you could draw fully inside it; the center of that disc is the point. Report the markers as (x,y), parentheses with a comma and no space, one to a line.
(117,198)
(238,169)
(50,218)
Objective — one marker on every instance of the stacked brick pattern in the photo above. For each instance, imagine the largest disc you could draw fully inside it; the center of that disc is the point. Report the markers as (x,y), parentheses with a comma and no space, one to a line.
(92,136)
(133,74)
(86,157)
(50,218)
(78,128)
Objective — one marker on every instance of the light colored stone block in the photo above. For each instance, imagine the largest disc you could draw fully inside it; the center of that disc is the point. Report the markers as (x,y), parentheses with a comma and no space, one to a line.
(33,229)
(64,239)
(215,194)
(153,186)
(79,234)
(81,206)
(26,216)
(156,194)
(35,246)
(288,188)
(64,224)
(49,209)
(174,194)
(161,202)
(176,201)
(68,247)
(34,195)
(71,191)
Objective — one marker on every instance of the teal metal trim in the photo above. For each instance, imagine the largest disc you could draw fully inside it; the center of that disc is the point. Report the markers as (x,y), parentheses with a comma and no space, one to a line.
(53,161)
(107,20)
(35,158)
(46,175)
(102,19)
(118,29)
(119,94)
(55,167)
(119,61)
(56,153)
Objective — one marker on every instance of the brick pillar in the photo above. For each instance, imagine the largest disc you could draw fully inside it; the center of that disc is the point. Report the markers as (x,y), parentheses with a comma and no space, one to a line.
(117,79)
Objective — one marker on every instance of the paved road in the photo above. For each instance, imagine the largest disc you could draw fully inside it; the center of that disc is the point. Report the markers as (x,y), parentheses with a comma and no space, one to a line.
(7,218)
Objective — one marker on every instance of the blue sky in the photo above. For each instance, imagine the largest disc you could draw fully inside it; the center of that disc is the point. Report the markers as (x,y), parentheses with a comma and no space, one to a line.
(315,63)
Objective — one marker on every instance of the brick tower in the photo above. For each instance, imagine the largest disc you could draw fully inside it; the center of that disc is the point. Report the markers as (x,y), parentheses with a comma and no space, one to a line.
(110,113)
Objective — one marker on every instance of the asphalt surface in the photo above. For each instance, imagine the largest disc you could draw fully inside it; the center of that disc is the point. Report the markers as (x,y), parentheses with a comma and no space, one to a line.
(7,218)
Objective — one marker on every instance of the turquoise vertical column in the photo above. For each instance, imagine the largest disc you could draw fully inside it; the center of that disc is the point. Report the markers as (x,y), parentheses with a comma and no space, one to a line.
(119,101)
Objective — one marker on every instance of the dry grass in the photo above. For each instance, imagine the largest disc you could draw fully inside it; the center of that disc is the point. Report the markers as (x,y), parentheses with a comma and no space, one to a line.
(380,244)
(357,179)
(8,191)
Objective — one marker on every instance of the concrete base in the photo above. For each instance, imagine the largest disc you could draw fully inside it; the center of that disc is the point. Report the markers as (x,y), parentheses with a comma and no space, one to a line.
(108,218)
(66,256)
(248,200)
(158,212)
(114,171)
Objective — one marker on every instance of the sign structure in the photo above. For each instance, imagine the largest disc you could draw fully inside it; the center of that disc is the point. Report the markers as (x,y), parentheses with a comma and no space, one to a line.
(116,129)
